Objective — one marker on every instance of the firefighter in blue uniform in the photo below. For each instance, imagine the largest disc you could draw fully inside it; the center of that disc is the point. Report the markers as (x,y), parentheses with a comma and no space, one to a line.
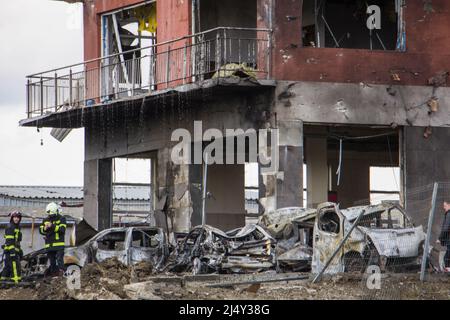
(12,252)
(53,228)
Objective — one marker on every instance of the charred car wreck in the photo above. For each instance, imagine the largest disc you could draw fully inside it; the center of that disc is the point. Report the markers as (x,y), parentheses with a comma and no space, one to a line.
(307,238)
(288,240)
(129,245)
(209,250)
(292,228)
(384,236)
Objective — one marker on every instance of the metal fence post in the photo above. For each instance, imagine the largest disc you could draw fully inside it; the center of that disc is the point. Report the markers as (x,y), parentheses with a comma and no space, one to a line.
(56,92)
(28,98)
(225,46)
(70,87)
(184,62)
(428,238)
(168,66)
(133,74)
(151,76)
(85,94)
(269,55)
(117,80)
(42,96)
(218,53)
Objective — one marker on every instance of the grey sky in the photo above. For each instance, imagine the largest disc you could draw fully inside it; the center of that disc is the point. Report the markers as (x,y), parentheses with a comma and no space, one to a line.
(36,35)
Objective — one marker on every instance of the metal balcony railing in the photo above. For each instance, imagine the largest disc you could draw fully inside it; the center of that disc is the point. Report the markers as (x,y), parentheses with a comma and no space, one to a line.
(215,53)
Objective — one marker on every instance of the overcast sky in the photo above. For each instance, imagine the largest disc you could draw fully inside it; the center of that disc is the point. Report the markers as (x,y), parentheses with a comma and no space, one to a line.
(37,35)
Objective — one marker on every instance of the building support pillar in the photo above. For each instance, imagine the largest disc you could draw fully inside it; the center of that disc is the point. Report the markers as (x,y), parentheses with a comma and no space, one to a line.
(283,187)
(98,193)
(317,171)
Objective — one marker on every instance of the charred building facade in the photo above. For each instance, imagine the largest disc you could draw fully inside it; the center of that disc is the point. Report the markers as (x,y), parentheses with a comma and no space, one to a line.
(343,96)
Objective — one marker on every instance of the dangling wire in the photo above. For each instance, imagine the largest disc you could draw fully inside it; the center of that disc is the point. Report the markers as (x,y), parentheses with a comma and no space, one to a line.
(392,162)
(338,172)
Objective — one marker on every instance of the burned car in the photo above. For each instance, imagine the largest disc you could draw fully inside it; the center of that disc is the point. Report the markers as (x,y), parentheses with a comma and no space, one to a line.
(129,245)
(292,228)
(209,250)
(384,236)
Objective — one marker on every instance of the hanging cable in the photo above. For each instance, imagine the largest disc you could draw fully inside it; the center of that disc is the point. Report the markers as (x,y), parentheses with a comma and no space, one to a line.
(338,172)
(392,162)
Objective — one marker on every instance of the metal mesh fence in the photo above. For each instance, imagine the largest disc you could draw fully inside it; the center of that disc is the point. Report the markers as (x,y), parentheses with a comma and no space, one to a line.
(393,252)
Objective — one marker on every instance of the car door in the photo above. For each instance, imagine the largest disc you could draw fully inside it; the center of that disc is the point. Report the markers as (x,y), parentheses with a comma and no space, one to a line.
(112,244)
(145,245)
(328,233)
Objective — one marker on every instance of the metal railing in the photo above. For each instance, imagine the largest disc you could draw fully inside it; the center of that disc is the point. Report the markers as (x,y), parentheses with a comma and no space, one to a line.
(216,53)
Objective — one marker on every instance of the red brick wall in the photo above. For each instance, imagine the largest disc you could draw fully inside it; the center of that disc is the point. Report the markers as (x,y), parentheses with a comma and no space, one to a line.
(427,41)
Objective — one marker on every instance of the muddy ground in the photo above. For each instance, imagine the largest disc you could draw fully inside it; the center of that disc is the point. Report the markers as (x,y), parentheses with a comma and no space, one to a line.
(112,280)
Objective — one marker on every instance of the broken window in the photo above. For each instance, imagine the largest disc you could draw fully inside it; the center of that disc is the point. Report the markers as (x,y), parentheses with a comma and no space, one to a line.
(345,24)
(238,46)
(329,222)
(384,184)
(145,239)
(123,31)
(113,241)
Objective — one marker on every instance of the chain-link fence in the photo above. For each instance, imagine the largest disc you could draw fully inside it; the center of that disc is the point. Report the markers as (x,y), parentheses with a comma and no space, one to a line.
(393,252)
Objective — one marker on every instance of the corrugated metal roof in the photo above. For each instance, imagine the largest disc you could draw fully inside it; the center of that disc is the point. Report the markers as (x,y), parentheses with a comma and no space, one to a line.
(71,193)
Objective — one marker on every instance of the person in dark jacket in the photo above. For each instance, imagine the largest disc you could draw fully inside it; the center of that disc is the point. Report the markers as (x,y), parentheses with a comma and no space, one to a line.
(53,228)
(12,251)
(444,236)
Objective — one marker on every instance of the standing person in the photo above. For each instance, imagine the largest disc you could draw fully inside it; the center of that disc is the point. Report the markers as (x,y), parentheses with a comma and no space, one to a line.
(53,228)
(11,249)
(444,237)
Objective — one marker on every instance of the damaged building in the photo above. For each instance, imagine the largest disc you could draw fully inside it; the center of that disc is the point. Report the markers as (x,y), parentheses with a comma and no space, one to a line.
(343,97)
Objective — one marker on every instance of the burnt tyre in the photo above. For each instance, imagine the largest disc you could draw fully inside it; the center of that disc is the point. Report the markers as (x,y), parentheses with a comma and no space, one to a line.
(354,262)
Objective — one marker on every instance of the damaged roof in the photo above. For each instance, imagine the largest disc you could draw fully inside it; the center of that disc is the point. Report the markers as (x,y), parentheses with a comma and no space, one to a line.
(71,193)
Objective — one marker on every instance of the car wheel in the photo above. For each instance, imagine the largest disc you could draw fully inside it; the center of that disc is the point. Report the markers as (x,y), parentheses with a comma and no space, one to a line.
(353,262)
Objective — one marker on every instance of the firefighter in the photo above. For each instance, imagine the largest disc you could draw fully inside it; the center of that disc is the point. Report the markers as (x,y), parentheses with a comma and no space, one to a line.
(53,228)
(12,252)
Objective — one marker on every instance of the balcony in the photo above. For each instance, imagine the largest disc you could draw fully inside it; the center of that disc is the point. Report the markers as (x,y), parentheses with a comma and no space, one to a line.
(207,56)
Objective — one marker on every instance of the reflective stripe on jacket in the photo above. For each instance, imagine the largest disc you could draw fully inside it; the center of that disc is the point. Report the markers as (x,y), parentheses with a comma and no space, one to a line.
(13,237)
(54,236)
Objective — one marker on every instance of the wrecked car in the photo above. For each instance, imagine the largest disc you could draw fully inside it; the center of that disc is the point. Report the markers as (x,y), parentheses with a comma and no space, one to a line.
(130,245)
(292,228)
(210,250)
(384,236)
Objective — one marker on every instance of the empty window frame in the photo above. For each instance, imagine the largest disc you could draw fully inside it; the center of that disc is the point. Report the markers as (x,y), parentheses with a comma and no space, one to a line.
(125,34)
(113,241)
(384,184)
(344,24)
(145,239)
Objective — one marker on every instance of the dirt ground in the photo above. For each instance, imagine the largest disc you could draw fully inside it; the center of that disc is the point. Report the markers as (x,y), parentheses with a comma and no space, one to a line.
(112,280)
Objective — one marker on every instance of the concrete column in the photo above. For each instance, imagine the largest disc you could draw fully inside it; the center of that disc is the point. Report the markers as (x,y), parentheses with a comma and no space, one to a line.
(317,171)
(174,203)
(98,193)
(290,177)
